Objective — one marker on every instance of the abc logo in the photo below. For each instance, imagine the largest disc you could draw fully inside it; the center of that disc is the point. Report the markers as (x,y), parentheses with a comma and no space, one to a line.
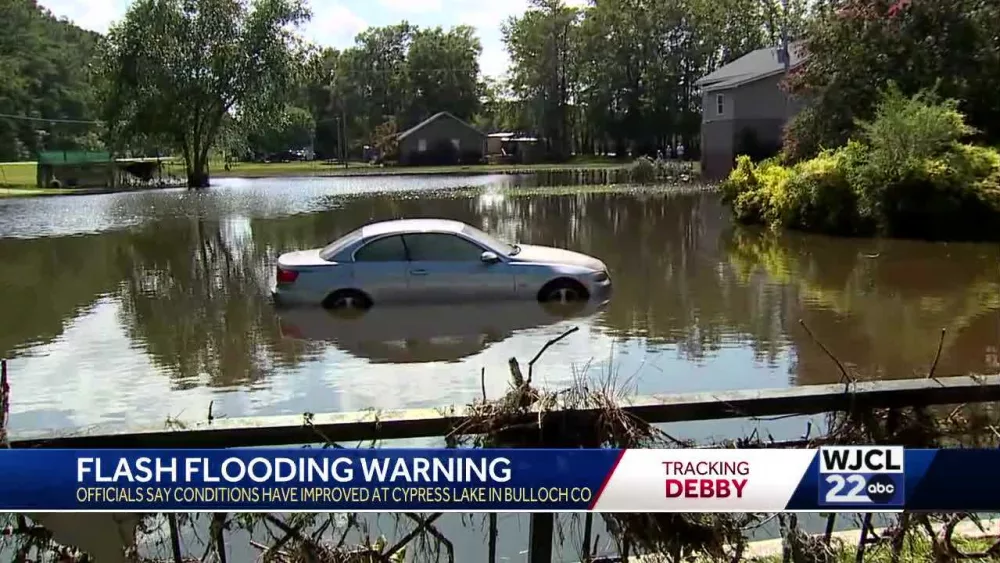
(855,489)
(880,488)
(861,475)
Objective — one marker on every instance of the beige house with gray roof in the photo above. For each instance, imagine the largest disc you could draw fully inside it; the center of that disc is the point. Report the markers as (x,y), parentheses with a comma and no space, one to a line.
(743,108)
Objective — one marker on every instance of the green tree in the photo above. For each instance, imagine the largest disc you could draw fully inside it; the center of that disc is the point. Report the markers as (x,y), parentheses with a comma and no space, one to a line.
(619,75)
(387,140)
(399,73)
(47,83)
(856,47)
(292,129)
(499,110)
(176,68)
(321,69)
(443,72)
(542,46)
(376,73)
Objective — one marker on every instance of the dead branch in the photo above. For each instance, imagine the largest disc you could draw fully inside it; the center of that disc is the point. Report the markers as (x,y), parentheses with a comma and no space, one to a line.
(422,524)
(531,364)
(482,382)
(937,357)
(845,377)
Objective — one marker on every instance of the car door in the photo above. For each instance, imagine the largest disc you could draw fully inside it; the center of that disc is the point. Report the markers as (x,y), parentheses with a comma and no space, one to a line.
(447,267)
(380,269)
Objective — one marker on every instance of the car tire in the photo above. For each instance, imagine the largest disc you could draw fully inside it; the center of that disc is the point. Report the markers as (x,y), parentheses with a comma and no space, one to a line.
(563,292)
(348,302)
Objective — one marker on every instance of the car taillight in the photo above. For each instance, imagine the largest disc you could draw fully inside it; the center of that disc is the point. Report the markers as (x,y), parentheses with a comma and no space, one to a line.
(287,276)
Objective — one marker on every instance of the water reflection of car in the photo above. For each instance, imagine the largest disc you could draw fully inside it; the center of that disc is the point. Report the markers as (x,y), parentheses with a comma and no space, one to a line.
(424,333)
(434,260)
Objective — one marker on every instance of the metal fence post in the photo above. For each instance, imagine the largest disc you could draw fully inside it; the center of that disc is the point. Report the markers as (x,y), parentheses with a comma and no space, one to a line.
(4,403)
(541,530)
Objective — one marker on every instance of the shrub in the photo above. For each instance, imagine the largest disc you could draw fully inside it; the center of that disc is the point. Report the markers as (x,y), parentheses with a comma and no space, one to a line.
(907,129)
(908,175)
(826,202)
(757,192)
(642,170)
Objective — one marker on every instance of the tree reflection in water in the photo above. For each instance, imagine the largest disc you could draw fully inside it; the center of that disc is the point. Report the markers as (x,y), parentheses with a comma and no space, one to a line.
(880,305)
(192,282)
(197,303)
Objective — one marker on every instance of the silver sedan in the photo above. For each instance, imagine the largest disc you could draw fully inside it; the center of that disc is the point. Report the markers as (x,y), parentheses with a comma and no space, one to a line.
(434,260)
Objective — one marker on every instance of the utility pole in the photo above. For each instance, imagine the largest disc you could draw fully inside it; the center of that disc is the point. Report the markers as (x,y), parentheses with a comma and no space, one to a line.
(343,125)
(340,140)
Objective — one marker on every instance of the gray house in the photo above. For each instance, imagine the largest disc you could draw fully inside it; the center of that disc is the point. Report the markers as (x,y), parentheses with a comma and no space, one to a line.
(441,139)
(743,109)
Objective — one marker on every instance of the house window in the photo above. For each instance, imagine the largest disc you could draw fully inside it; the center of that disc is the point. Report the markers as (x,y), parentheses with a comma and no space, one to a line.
(457,143)
(421,145)
(720,104)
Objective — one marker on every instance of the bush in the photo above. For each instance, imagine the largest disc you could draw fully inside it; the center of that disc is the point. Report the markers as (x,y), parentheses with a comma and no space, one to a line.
(642,170)
(907,175)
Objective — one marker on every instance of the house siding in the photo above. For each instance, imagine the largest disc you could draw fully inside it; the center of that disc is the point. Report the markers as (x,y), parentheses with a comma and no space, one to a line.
(716,148)
(709,106)
(756,110)
(444,129)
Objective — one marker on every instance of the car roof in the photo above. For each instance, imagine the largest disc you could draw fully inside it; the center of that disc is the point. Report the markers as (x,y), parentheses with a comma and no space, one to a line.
(411,226)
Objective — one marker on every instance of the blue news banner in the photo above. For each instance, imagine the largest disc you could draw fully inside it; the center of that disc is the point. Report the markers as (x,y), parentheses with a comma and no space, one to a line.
(843,478)
(302,479)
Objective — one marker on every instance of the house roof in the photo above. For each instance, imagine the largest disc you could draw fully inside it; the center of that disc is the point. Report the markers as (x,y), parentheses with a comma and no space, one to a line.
(435,117)
(751,67)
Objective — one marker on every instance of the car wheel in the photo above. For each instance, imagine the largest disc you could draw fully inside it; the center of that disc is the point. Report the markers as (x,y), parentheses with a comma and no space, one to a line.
(347,301)
(563,291)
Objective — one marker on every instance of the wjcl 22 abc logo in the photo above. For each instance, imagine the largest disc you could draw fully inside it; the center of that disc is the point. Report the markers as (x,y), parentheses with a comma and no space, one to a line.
(858,475)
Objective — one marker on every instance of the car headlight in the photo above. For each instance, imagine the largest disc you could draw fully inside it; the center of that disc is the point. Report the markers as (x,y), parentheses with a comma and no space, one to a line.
(601,277)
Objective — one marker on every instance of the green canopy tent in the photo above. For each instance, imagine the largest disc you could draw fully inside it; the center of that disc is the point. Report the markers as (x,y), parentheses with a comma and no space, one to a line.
(76,169)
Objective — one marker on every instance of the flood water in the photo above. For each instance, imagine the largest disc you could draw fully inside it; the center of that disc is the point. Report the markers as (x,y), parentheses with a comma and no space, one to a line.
(143,307)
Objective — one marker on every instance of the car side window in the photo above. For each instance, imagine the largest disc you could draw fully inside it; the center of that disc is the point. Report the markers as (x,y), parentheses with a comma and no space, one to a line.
(386,249)
(441,247)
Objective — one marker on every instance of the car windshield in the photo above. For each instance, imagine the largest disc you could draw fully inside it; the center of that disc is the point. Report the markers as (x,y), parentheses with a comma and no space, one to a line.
(340,244)
(491,241)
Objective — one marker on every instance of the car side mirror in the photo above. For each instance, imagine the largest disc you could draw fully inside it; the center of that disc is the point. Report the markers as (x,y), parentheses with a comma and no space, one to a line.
(489,257)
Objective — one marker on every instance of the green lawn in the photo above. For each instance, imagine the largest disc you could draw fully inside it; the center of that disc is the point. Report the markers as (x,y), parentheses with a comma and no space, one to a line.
(17,174)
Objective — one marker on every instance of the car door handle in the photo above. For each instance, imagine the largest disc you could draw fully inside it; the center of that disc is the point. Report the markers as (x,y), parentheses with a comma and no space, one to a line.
(419,272)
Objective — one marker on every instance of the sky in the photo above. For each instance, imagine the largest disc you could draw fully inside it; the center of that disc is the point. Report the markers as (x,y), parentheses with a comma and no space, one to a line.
(335,23)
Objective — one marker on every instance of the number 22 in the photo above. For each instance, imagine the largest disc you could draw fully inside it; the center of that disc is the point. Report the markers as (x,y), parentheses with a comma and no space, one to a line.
(839,482)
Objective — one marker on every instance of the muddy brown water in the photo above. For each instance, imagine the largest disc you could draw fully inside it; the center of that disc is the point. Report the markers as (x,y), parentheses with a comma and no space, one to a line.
(132,308)
(137,308)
